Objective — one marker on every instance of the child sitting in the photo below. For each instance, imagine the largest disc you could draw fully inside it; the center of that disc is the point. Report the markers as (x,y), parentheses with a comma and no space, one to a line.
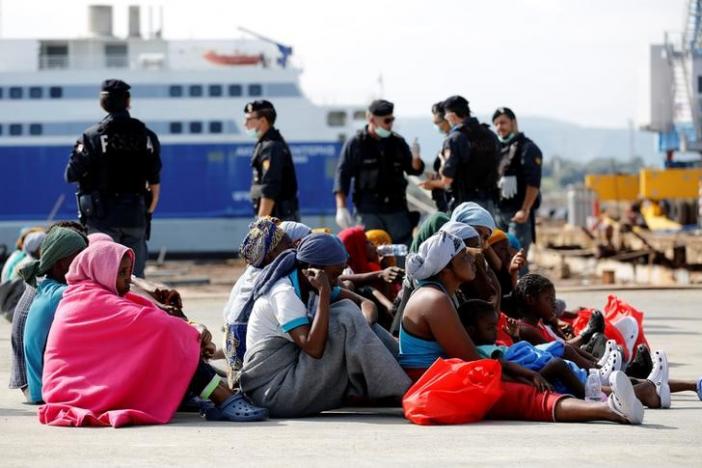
(481,322)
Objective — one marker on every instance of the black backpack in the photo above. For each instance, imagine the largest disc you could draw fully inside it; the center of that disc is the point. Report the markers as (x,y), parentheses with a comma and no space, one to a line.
(481,174)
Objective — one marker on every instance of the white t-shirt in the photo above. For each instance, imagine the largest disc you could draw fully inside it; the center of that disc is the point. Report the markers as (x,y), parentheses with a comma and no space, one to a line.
(240,293)
(276,313)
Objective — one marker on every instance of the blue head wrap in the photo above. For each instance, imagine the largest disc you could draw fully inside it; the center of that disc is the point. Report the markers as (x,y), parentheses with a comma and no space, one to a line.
(473,214)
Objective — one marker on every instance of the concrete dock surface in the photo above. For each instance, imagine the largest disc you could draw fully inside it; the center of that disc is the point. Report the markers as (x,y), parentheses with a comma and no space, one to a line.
(381,437)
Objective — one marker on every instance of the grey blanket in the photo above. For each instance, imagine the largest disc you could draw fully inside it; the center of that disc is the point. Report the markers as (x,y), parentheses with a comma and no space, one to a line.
(279,376)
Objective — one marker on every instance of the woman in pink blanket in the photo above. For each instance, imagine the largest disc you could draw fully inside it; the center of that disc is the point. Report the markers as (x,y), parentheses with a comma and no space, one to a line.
(113,358)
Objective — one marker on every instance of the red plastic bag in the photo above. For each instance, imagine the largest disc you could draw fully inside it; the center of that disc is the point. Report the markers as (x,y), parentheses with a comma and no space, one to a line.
(453,391)
(617,309)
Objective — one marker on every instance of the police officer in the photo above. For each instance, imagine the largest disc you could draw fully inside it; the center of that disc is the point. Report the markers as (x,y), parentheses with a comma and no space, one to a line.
(520,178)
(274,184)
(376,159)
(117,166)
(439,195)
(471,155)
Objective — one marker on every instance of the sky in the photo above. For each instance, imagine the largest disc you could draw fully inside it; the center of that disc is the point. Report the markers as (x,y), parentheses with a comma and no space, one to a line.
(584,61)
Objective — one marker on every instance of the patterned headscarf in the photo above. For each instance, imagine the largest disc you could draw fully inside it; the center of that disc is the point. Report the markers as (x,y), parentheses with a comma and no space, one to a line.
(264,236)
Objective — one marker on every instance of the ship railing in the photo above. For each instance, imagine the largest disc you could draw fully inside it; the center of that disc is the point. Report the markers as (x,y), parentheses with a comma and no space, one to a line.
(52,62)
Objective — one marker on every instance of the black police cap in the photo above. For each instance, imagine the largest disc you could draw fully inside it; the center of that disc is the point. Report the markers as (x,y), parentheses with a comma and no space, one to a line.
(504,111)
(381,108)
(115,87)
(457,104)
(259,105)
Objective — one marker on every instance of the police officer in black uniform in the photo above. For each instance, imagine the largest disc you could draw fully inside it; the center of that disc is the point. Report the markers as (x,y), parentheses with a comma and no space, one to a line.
(274,184)
(520,178)
(376,159)
(117,166)
(471,155)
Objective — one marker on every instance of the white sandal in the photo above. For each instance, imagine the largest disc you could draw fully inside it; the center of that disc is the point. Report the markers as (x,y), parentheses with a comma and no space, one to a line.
(659,376)
(623,400)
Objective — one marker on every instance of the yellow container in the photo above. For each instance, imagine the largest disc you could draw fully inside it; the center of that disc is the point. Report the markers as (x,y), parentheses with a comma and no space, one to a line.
(611,187)
(659,184)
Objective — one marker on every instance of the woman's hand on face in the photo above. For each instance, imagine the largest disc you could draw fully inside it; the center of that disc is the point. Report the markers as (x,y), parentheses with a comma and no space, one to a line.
(392,274)
(317,278)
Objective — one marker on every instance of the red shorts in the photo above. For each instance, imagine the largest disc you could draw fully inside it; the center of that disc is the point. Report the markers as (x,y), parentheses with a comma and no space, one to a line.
(519,402)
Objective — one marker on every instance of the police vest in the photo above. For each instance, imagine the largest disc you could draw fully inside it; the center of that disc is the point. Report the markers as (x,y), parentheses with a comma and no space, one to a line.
(123,146)
(481,170)
(379,176)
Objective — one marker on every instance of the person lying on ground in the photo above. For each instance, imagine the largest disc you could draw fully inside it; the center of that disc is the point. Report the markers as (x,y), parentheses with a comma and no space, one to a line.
(113,358)
(431,328)
(305,351)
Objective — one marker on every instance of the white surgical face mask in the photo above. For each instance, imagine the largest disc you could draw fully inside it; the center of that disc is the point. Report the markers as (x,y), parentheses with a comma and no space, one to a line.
(382,133)
(252,132)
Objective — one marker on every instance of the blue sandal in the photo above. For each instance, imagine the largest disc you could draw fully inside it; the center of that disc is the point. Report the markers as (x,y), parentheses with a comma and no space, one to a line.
(236,408)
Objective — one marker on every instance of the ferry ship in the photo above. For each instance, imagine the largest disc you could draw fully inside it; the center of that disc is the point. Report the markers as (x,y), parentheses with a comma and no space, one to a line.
(192,94)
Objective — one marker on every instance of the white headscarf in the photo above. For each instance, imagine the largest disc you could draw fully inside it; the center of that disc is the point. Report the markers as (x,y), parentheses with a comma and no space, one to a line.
(460,230)
(473,214)
(433,256)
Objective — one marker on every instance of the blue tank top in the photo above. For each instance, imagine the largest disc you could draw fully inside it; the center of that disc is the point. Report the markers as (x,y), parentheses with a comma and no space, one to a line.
(415,352)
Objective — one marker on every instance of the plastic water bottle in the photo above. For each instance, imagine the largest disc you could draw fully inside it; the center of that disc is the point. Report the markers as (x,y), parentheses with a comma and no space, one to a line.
(392,250)
(593,386)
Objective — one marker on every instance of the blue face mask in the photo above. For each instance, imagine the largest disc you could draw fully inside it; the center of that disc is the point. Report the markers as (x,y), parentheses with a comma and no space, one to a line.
(252,132)
(506,139)
(382,133)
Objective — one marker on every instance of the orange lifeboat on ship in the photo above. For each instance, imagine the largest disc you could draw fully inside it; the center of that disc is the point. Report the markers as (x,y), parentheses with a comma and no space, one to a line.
(235,59)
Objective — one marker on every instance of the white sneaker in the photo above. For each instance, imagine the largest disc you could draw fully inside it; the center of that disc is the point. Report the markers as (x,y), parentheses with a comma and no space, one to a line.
(623,400)
(613,364)
(609,347)
(659,376)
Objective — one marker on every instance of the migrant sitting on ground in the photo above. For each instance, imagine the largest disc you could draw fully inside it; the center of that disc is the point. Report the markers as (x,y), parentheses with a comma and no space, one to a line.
(431,328)
(365,276)
(113,358)
(535,299)
(306,353)
(32,252)
(19,253)
(59,248)
(265,241)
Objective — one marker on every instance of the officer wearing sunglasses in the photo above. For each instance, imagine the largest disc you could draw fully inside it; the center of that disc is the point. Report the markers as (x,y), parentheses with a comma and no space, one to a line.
(374,163)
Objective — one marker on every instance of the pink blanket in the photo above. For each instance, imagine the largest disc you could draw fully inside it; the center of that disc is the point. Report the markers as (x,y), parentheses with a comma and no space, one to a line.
(113,360)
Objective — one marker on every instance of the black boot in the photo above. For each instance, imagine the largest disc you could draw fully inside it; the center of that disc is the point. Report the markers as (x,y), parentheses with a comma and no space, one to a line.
(596,324)
(642,364)
(596,346)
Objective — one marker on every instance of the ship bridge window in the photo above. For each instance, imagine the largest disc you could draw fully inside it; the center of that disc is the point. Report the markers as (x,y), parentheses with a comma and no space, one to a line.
(1,90)
(175,127)
(215,127)
(15,92)
(336,118)
(195,90)
(699,84)
(15,129)
(53,55)
(235,90)
(175,91)
(116,55)
(359,115)
(0,129)
(215,90)
(255,90)
(195,127)
(55,92)
(35,129)
(35,92)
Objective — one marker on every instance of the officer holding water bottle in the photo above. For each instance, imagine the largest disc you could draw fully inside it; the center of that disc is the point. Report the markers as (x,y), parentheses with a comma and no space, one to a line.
(374,163)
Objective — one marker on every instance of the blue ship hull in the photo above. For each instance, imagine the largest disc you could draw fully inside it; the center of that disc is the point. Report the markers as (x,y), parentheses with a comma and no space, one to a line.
(204,206)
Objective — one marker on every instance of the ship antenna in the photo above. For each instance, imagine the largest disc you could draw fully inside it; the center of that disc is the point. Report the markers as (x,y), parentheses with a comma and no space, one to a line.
(285,50)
